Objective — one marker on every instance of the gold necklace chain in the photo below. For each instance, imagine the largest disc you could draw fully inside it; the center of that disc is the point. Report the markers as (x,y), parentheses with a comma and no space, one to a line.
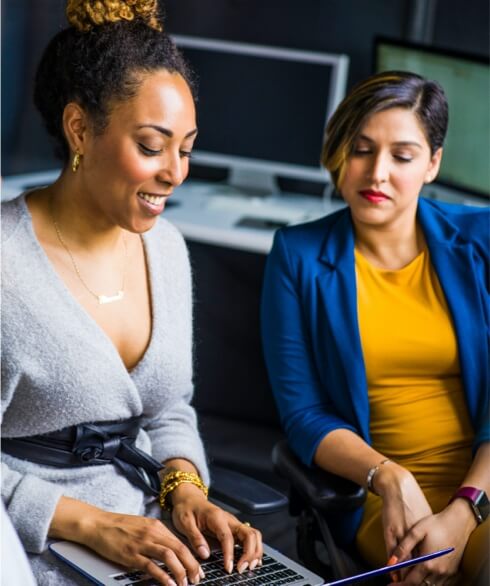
(102,299)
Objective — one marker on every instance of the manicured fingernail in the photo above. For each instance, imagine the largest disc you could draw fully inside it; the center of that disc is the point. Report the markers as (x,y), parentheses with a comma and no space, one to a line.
(253,564)
(242,567)
(203,551)
(196,579)
(171,583)
(393,559)
(260,562)
(184,582)
(229,567)
(201,573)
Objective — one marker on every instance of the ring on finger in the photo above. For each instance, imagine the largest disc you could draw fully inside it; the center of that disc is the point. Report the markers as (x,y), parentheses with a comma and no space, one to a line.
(247,524)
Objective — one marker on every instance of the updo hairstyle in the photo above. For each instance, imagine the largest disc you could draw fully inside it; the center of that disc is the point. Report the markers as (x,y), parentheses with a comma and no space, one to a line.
(100,59)
(380,92)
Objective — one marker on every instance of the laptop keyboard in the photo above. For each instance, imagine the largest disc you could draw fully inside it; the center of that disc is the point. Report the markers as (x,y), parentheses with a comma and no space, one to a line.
(271,572)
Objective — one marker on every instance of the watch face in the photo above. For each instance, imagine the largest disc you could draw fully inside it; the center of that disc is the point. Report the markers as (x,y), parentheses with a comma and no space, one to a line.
(483,505)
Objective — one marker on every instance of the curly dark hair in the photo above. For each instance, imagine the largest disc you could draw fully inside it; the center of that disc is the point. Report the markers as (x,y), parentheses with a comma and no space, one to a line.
(98,67)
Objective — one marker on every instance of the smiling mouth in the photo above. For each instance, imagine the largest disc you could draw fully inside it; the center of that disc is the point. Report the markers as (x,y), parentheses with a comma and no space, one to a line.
(156,200)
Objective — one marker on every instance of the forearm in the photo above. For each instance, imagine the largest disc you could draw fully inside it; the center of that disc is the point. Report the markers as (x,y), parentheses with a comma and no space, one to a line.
(479,473)
(178,464)
(73,520)
(346,454)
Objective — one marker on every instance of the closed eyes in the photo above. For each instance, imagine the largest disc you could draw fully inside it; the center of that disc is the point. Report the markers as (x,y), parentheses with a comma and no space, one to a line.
(155,152)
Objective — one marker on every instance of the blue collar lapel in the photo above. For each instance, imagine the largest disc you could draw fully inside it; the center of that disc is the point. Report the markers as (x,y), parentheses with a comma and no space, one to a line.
(337,291)
(454,263)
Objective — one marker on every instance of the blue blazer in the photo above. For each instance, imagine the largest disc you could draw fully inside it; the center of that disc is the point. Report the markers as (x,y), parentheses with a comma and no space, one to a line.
(310,326)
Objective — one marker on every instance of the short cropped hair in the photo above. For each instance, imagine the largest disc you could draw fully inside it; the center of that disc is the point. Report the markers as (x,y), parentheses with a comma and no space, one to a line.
(380,92)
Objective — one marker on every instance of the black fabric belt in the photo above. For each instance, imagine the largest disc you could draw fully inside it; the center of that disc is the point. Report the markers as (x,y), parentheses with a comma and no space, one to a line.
(92,444)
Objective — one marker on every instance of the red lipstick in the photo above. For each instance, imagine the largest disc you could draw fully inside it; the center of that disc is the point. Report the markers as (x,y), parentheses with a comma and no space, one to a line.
(373,196)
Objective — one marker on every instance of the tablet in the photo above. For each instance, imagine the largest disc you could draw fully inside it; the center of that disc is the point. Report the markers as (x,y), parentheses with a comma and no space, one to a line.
(392,568)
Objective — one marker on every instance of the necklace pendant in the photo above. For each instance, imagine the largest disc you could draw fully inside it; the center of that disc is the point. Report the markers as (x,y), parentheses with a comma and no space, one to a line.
(110,298)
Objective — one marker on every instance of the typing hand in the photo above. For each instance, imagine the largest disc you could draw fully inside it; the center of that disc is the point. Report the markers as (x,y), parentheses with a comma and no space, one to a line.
(195,516)
(129,540)
(136,542)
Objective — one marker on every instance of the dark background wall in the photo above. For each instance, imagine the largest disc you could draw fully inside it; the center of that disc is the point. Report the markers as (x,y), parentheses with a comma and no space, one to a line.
(339,26)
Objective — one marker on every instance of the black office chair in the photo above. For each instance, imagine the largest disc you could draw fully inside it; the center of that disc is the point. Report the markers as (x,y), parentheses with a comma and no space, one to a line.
(247,495)
(237,415)
(313,493)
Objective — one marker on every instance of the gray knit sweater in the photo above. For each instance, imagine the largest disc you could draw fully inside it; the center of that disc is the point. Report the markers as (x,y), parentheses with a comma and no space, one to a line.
(60,369)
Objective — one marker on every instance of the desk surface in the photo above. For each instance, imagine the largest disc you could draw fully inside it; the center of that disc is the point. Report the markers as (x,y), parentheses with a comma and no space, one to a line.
(209,212)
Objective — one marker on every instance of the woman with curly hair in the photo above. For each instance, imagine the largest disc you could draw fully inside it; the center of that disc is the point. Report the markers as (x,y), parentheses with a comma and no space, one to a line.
(96,301)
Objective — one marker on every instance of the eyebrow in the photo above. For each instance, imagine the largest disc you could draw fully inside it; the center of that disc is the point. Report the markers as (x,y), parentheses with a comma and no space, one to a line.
(396,143)
(166,131)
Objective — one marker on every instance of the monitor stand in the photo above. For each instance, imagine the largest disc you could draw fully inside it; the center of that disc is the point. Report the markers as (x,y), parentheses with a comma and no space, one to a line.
(255,199)
(252,183)
(258,183)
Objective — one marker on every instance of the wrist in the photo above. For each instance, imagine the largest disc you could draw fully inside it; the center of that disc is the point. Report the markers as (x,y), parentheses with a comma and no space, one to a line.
(90,524)
(184,492)
(176,479)
(465,518)
(476,499)
(391,479)
(74,520)
(372,473)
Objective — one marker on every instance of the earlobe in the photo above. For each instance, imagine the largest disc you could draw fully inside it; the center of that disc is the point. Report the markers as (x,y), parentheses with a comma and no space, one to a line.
(434,166)
(75,126)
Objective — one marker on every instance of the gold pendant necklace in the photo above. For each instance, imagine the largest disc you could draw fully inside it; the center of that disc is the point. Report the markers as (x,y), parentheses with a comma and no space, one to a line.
(102,299)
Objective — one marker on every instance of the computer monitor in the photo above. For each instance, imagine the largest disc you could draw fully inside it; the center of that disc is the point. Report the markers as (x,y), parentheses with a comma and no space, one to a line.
(262,110)
(466,82)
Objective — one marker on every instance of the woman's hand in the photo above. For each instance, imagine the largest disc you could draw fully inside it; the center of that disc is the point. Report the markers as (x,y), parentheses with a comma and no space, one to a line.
(451,527)
(404,503)
(136,541)
(195,516)
(130,540)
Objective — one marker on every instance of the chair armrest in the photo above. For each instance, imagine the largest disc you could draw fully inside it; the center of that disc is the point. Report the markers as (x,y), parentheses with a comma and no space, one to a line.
(322,490)
(245,493)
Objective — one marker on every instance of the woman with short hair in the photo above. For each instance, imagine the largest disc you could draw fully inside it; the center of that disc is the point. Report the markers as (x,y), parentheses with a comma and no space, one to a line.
(375,323)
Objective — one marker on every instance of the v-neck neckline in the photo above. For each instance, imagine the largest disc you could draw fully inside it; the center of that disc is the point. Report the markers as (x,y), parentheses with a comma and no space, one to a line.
(62,289)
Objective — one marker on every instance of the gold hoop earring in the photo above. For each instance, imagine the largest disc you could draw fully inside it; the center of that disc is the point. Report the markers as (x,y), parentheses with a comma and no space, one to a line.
(76,162)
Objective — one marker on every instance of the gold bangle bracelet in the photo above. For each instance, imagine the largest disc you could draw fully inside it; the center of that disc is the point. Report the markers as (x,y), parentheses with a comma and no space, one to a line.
(174,479)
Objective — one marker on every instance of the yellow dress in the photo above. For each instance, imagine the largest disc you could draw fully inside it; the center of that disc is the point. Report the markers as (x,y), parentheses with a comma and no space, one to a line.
(419,416)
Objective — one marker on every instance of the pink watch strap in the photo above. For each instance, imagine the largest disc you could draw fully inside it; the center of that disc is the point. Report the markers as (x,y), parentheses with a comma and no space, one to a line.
(468,492)
(477,500)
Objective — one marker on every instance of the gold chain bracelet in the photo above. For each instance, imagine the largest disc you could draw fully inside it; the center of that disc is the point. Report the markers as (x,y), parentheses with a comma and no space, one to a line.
(174,479)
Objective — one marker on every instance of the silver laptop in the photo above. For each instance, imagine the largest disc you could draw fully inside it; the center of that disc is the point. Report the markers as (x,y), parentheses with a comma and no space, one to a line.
(276,569)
